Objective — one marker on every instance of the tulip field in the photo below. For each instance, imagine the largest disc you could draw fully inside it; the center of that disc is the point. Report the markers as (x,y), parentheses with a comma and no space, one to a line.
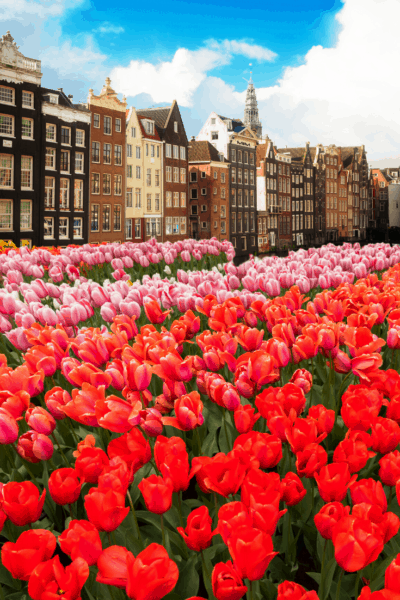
(174,426)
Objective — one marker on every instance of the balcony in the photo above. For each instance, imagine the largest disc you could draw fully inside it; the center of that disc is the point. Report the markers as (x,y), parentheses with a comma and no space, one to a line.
(29,64)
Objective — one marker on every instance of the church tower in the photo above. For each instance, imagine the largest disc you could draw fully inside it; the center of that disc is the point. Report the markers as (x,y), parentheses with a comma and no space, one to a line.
(251,110)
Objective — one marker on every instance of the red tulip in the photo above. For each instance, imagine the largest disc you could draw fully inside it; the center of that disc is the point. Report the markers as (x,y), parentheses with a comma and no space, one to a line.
(157,493)
(40,420)
(357,543)
(354,453)
(172,460)
(257,481)
(16,404)
(82,407)
(55,399)
(266,448)
(245,418)
(188,411)
(310,460)
(8,427)
(369,491)
(333,481)
(392,575)
(154,312)
(264,511)
(64,486)
(390,468)
(31,548)
(112,566)
(226,582)
(22,503)
(132,447)
(231,516)
(225,474)
(34,447)
(105,509)
(302,433)
(81,540)
(50,579)
(112,413)
(328,516)
(360,407)
(293,490)
(90,464)
(151,575)
(151,421)
(324,418)
(117,469)
(198,532)
(289,590)
(385,435)
(251,551)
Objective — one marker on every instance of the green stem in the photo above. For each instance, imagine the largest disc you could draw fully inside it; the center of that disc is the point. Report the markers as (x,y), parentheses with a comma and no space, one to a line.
(162,530)
(226,432)
(204,565)
(216,506)
(136,521)
(339,395)
(198,440)
(61,452)
(312,497)
(356,586)
(251,589)
(70,425)
(321,587)
(390,497)
(339,584)
(10,456)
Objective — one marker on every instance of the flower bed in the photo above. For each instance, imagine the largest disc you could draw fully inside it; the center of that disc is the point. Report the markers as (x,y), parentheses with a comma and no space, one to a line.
(199,439)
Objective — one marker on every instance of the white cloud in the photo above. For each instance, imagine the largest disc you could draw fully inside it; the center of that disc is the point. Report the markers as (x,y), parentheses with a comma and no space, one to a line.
(182,76)
(107,27)
(17,10)
(75,62)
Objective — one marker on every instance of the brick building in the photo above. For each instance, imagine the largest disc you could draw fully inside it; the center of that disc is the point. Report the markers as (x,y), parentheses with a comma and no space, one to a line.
(342,204)
(297,203)
(171,131)
(107,166)
(284,200)
(333,164)
(380,200)
(208,192)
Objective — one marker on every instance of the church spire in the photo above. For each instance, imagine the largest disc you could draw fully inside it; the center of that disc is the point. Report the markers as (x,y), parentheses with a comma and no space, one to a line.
(251,109)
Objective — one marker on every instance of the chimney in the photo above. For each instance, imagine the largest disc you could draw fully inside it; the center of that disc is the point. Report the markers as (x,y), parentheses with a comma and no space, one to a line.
(307,145)
(60,89)
(193,138)
(70,96)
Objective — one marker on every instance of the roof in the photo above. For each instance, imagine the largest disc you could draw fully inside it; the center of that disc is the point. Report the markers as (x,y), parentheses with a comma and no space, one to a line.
(202,151)
(158,115)
(235,122)
(298,154)
(146,135)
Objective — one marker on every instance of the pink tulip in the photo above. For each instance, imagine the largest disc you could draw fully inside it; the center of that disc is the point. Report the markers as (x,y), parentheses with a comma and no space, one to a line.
(8,427)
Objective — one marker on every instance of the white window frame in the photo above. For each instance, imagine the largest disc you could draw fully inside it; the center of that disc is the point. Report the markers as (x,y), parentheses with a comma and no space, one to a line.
(4,213)
(50,221)
(78,194)
(168,225)
(175,150)
(104,123)
(176,126)
(183,199)
(12,122)
(79,160)
(64,194)
(118,125)
(69,161)
(29,227)
(50,206)
(65,220)
(182,151)
(128,222)
(168,151)
(30,171)
(27,137)
(52,127)
(96,119)
(183,225)
(69,137)
(12,103)
(77,143)
(80,225)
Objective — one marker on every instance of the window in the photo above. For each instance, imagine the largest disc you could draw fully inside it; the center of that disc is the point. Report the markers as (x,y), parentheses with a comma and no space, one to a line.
(194,210)
(252,198)
(168,151)
(49,227)
(183,175)
(117,217)
(239,175)
(138,229)
(244,243)
(80,138)
(107,154)
(66,135)
(94,217)
(246,198)
(168,199)
(240,198)
(203,174)
(129,202)
(157,178)
(106,184)
(204,191)
(182,152)
(118,155)
(176,126)
(176,199)
(63,228)
(95,187)
(183,225)
(152,150)
(214,135)
(64,194)
(96,152)
(6,215)
(252,222)
(7,126)
(148,177)
(246,222)
(129,171)
(158,151)
(246,176)
(168,225)
(175,225)
(193,194)
(215,207)
(138,197)
(50,132)
(78,227)
(183,199)
(78,194)
(233,222)
(148,206)
(176,151)
(79,162)
(233,175)
(168,173)
(176,175)
(138,173)
(106,217)
(223,193)
(252,159)
(49,191)
(240,223)
(107,126)
(118,125)
(96,121)
(64,164)
(233,193)
(7,95)
(251,177)
(118,185)
(157,202)
(223,212)
(26,172)
(203,208)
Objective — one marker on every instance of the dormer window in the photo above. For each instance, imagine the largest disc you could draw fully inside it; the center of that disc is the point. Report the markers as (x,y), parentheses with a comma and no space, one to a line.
(229,124)
(53,98)
(149,127)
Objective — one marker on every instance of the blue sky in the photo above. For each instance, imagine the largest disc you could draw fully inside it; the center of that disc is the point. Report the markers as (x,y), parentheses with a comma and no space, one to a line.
(314,64)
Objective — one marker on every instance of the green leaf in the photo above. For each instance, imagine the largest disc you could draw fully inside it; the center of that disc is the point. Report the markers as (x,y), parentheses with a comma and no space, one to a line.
(329,571)
(188,583)
(209,446)
(269,589)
